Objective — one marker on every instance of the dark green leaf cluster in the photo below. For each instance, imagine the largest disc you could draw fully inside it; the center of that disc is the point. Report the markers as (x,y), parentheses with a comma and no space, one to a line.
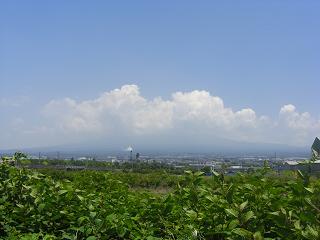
(100,205)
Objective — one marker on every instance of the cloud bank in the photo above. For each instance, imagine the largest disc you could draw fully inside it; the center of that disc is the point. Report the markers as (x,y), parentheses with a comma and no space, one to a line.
(187,116)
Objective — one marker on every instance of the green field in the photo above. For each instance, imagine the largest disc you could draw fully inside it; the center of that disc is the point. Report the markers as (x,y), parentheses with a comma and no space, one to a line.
(54,204)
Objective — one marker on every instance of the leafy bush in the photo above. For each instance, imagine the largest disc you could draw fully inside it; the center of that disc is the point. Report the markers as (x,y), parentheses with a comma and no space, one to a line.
(99,205)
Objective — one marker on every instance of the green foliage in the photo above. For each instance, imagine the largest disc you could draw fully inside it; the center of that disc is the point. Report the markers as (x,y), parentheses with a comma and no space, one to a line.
(103,205)
(136,166)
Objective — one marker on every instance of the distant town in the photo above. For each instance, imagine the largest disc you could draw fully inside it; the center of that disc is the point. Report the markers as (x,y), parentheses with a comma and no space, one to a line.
(229,164)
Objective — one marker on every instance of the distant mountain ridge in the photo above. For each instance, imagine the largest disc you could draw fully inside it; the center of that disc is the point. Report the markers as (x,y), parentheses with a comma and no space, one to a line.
(218,146)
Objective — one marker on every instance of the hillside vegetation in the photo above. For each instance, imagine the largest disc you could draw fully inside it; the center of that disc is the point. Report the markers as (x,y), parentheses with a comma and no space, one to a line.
(104,205)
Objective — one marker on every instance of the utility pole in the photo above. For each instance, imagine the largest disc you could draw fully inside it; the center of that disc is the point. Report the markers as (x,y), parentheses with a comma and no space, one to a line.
(131,160)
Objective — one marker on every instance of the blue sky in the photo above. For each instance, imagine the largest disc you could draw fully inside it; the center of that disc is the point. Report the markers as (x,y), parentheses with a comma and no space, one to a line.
(260,55)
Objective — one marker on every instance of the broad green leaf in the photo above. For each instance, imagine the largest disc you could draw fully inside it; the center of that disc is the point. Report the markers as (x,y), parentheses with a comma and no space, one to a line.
(243,205)
(211,198)
(33,193)
(300,174)
(20,205)
(198,174)
(232,212)
(233,224)
(257,236)
(310,190)
(191,214)
(81,219)
(93,214)
(284,212)
(111,217)
(308,200)
(61,192)
(275,213)
(91,207)
(41,206)
(310,233)
(248,216)
(297,225)
(242,232)
(215,173)
(313,232)
(67,236)
(91,238)
(80,197)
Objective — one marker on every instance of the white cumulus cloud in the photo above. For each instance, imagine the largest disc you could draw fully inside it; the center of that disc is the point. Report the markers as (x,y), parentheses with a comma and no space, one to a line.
(125,109)
(124,114)
(302,126)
